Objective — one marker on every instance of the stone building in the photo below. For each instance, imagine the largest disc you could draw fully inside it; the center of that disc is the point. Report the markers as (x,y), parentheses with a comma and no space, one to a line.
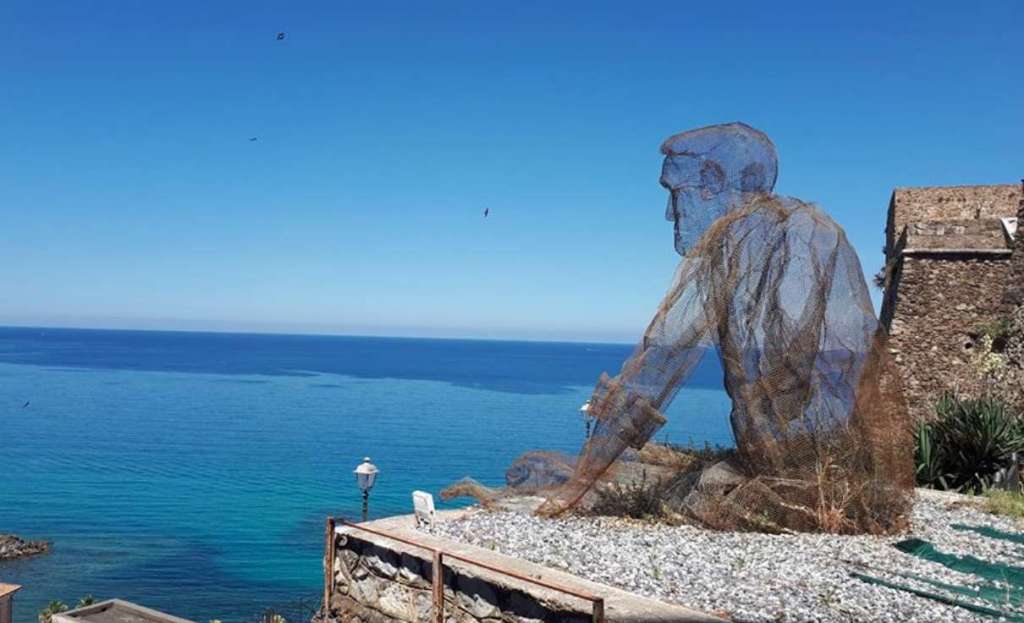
(948,265)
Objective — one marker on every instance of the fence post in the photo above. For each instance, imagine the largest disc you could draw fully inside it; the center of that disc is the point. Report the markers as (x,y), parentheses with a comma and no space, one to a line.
(328,565)
(438,587)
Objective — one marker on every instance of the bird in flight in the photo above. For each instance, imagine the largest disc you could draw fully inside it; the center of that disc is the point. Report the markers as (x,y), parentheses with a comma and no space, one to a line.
(253,139)
(24,406)
(280,36)
(487,211)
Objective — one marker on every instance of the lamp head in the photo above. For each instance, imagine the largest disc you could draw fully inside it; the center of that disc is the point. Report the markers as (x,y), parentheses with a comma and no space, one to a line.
(366,475)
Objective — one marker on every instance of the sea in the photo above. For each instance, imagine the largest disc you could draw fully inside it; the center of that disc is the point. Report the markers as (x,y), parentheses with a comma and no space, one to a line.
(193,472)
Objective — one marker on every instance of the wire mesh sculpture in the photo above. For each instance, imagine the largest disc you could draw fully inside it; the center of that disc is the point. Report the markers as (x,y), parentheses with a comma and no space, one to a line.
(821,429)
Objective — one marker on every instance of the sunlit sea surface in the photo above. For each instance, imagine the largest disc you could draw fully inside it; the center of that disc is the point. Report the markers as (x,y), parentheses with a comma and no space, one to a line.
(191,472)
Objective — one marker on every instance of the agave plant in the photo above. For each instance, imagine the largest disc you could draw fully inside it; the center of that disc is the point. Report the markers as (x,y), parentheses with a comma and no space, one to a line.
(88,600)
(929,460)
(968,444)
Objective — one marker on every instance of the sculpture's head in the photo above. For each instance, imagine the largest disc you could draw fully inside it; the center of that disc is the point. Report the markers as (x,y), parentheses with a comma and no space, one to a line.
(708,170)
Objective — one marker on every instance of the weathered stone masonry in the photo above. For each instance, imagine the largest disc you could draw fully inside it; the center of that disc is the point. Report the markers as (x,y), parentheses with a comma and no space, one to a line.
(378,585)
(948,263)
(382,571)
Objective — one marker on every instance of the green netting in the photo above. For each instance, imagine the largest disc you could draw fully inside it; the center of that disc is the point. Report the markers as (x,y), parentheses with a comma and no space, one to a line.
(991,533)
(986,592)
(990,571)
(1001,586)
(951,601)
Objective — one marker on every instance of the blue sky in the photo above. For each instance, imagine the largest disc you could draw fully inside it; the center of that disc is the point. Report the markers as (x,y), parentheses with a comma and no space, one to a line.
(131,196)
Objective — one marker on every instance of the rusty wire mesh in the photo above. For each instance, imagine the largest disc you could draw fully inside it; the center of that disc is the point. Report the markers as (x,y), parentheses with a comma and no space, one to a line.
(821,428)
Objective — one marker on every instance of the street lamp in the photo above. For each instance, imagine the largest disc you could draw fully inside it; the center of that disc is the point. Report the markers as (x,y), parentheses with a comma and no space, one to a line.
(585,410)
(366,474)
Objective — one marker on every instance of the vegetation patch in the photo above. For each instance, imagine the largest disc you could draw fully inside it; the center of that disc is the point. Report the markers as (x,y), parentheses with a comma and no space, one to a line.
(1007,503)
(969,446)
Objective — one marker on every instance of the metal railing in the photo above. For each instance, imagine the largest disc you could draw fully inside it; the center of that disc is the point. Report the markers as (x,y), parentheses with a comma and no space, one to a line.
(438,556)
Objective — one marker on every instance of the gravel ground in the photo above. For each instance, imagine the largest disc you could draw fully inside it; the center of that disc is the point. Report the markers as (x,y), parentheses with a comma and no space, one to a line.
(756,577)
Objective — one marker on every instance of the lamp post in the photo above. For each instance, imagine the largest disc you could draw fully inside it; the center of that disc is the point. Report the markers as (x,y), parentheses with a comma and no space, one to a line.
(585,410)
(366,474)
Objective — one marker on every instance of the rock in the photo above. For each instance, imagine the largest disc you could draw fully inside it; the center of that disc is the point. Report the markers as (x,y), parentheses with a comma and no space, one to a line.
(721,475)
(538,470)
(12,546)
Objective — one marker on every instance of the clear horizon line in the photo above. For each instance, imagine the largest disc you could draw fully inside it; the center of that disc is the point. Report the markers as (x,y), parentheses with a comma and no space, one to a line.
(313,333)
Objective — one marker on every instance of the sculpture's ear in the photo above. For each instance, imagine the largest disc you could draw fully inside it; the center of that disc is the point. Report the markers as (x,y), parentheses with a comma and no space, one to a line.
(712,177)
(752,178)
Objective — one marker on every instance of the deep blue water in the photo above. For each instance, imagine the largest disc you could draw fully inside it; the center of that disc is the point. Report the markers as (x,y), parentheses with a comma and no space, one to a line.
(191,472)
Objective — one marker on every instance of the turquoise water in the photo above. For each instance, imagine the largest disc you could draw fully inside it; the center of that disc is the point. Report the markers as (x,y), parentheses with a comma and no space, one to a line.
(192,472)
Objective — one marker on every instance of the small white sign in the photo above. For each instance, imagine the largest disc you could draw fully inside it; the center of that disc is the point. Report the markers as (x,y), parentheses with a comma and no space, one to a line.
(423,506)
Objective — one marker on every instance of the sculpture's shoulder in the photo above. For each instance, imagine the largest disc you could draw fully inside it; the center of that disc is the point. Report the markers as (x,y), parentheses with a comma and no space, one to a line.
(768,224)
(775,213)
(810,214)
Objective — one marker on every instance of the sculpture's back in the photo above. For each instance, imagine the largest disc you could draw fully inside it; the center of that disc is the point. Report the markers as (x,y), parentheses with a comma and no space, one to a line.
(821,429)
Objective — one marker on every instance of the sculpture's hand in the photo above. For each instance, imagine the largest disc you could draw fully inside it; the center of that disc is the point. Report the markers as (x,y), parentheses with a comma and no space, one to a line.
(626,407)
(624,419)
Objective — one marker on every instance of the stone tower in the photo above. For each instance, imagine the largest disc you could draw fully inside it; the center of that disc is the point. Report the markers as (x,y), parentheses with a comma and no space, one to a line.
(948,268)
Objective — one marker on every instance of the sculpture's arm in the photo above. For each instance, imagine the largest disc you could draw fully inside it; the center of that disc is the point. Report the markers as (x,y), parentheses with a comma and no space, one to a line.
(626,407)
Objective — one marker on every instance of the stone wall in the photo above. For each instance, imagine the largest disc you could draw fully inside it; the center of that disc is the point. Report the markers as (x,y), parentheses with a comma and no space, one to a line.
(1014,296)
(948,262)
(933,307)
(383,571)
(976,234)
(948,203)
(374,584)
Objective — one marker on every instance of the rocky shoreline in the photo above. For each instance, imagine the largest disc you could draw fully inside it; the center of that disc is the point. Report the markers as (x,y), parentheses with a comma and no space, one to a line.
(760,578)
(13,547)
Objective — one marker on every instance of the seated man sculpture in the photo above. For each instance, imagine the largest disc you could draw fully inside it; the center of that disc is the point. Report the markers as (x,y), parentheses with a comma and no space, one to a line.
(772,284)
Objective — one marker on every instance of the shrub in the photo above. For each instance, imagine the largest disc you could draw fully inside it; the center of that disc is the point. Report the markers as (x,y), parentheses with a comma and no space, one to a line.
(639,499)
(52,608)
(929,461)
(967,444)
(706,454)
(998,332)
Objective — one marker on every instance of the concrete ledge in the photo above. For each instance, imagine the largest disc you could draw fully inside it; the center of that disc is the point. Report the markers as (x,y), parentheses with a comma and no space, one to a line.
(116,611)
(951,251)
(620,606)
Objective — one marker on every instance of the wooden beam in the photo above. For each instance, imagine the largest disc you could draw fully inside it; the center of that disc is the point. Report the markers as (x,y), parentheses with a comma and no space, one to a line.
(438,587)
(328,565)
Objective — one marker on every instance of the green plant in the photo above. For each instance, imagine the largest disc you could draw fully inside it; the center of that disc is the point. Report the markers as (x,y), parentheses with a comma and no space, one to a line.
(52,608)
(88,600)
(707,454)
(928,460)
(967,444)
(639,499)
(1007,503)
(998,331)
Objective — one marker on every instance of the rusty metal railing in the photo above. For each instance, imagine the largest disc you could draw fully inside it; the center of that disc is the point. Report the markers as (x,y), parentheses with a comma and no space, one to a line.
(438,557)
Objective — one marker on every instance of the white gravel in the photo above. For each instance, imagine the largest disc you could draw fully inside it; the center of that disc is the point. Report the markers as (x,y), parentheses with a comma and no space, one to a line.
(756,577)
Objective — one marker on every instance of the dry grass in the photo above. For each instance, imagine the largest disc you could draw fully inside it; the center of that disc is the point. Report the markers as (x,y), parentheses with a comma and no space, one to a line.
(639,499)
(999,502)
(835,494)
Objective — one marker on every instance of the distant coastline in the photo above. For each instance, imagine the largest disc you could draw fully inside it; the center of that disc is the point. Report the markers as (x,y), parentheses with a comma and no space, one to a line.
(608,337)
